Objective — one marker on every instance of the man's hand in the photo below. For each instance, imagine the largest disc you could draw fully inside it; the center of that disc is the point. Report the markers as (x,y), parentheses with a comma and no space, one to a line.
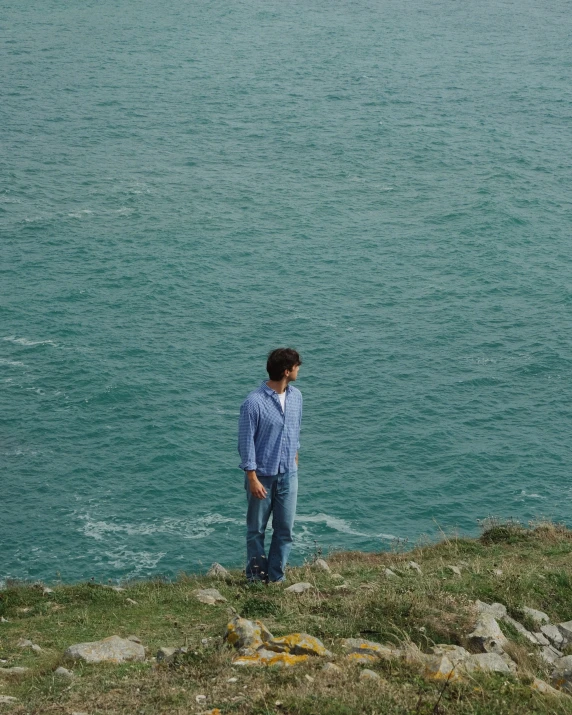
(256,487)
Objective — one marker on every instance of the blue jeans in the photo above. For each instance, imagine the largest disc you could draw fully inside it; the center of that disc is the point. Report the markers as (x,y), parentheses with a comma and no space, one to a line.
(280,500)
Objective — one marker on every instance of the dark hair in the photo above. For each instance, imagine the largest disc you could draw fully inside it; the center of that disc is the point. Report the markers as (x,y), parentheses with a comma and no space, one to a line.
(281,359)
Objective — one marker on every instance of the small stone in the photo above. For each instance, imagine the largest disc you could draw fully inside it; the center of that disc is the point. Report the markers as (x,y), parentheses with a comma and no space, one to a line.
(542,687)
(539,617)
(439,667)
(134,639)
(301,587)
(487,635)
(278,703)
(541,638)
(268,657)
(489,663)
(337,576)
(553,634)
(117,589)
(298,644)
(24,643)
(496,610)
(361,658)
(550,654)
(47,591)
(389,573)
(309,678)
(131,602)
(454,570)
(242,633)
(566,632)
(521,629)
(455,653)
(232,680)
(209,596)
(6,699)
(36,648)
(14,670)
(166,654)
(3,620)
(367,674)
(217,571)
(370,648)
(321,564)
(76,712)
(414,566)
(344,587)
(63,673)
(201,699)
(112,650)
(331,668)
(497,572)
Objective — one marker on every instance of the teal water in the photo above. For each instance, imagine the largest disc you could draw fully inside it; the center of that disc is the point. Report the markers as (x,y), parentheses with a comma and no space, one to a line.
(186,185)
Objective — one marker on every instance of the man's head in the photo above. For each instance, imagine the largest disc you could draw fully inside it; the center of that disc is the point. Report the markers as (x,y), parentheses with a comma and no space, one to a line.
(283,362)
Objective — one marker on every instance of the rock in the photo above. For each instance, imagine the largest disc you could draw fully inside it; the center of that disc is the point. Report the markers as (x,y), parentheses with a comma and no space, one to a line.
(337,576)
(414,566)
(541,638)
(135,639)
(361,658)
(232,680)
(6,699)
(496,610)
(36,648)
(268,657)
(489,663)
(411,653)
(454,570)
(131,602)
(201,699)
(521,629)
(538,617)
(218,571)
(566,632)
(242,633)
(389,573)
(549,654)
(24,643)
(298,644)
(3,620)
(553,634)
(309,678)
(64,673)
(47,591)
(455,653)
(367,674)
(439,667)
(15,670)
(209,596)
(487,636)
(497,572)
(542,687)
(331,668)
(109,650)
(166,654)
(363,647)
(562,675)
(343,587)
(321,564)
(301,587)
(117,589)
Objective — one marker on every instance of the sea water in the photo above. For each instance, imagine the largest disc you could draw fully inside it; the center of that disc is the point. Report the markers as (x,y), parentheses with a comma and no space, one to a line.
(185,185)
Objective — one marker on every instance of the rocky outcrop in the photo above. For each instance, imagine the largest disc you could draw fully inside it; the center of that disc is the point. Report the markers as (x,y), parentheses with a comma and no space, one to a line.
(487,636)
(301,587)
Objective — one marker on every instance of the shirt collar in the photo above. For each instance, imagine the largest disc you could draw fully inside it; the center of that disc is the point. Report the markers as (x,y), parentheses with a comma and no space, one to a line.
(270,391)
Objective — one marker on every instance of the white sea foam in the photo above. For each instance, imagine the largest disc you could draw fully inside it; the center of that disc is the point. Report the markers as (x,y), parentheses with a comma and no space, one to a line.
(524,493)
(138,561)
(198,528)
(80,214)
(340,525)
(12,363)
(28,343)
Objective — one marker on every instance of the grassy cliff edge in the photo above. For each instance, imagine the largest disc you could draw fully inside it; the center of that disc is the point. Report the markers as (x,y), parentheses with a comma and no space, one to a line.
(510,564)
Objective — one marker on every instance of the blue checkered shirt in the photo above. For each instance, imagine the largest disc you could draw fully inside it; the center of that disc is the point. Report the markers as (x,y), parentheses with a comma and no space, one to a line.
(268,439)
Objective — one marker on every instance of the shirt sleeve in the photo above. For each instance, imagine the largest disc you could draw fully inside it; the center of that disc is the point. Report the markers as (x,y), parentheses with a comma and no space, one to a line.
(247,424)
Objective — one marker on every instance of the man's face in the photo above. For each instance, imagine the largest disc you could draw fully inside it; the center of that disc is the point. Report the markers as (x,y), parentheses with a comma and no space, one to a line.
(292,374)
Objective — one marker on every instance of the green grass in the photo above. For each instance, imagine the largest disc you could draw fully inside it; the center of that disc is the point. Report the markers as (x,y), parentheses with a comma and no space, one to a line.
(435,607)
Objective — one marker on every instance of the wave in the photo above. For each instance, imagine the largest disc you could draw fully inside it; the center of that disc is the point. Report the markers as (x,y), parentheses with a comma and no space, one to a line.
(198,528)
(341,526)
(28,343)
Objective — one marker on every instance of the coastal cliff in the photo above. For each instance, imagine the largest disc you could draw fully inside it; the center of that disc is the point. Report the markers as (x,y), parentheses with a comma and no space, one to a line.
(462,626)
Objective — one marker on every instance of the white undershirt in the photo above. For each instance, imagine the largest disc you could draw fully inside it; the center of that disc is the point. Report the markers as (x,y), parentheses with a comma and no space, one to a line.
(282,399)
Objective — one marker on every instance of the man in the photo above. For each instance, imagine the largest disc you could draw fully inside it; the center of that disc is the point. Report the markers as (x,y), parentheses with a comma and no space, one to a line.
(268,443)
